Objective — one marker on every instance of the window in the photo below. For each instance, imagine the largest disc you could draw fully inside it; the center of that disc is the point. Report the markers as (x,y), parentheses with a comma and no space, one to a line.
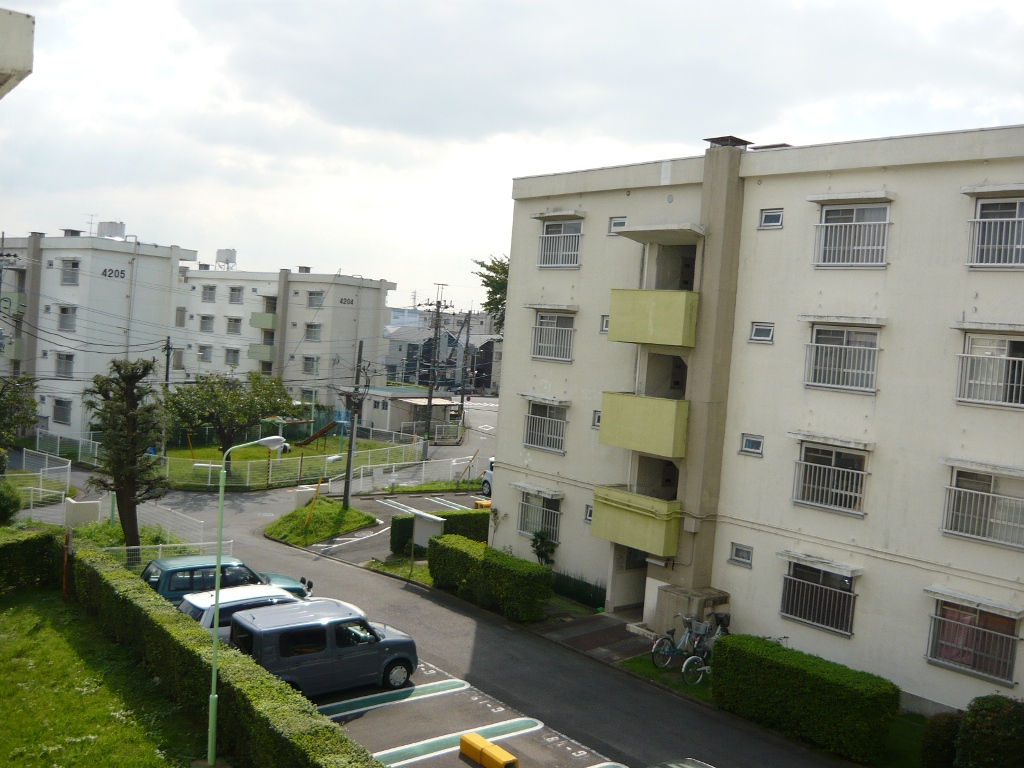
(266,368)
(818,597)
(179,317)
(308,396)
(552,336)
(615,223)
(560,244)
(741,554)
(987,507)
(209,293)
(232,356)
(352,633)
(61,411)
(992,370)
(545,427)
(309,364)
(997,235)
(206,323)
(830,478)
(236,294)
(315,299)
(595,420)
(604,323)
(65,365)
(852,236)
(771,218)
(762,333)
(234,325)
(842,358)
(178,360)
(752,445)
(302,642)
(42,422)
(69,270)
(972,640)
(588,513)
(68,319)
(537,513)
(205,353)
(312,332)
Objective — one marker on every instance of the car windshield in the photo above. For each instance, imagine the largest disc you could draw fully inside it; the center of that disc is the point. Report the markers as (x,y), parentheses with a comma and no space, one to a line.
(152,575)
(240,575)
(190,610)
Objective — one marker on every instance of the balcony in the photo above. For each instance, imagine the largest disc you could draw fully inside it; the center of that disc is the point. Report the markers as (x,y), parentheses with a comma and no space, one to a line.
(266,321)
(544,433)
(832,488)
(851,244)
(667,318)
(634,520)
(551,343)
(652,425)
(263,352)
(12,302)
(14,349)
(559,251)
(990,379)
(985,516)
(996,243)
(840,367)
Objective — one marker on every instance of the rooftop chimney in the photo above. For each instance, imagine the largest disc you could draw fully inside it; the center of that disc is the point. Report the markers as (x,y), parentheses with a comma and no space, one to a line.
(72,232)
(727,141)
(303,270)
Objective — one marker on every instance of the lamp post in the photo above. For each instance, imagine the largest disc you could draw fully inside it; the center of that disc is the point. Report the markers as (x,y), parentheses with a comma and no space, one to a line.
(271,442)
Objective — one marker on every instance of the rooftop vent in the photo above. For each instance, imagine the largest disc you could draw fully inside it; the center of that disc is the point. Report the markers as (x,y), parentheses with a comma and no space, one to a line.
(727,141)
(72,232)
(204,266)
(303,270)
(110,229)
(770,146)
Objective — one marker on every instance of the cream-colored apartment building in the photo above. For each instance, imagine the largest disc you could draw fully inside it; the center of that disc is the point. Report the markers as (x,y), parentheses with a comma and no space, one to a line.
(786,382)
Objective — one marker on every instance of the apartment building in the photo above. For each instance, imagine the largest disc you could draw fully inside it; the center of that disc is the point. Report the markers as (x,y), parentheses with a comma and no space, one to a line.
(17,39)
(787,382)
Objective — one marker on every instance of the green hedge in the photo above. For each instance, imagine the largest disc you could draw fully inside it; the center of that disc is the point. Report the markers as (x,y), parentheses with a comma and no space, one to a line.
(471,523)
(31,557)
(579,589)
(490,578)
(831,706)
(991,734)
(938,740)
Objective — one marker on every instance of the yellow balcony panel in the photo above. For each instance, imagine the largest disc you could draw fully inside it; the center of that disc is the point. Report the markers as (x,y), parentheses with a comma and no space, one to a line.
(668,318)
(12,302)
(653,425)
(14,349)
(262,352)
(264,320)
(634,520)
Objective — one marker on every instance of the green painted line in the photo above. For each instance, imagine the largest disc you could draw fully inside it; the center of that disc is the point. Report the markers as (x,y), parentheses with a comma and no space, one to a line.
(450,743)
(365,703)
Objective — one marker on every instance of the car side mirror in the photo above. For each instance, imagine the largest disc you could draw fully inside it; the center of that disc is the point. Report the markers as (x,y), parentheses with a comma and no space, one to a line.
(308,585)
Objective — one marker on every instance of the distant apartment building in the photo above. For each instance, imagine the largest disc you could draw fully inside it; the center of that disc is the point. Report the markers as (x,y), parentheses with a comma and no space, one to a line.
(787,382)
(17,38)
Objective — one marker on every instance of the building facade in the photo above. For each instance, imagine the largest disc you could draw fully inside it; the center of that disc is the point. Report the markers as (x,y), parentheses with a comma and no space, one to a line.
(785,382)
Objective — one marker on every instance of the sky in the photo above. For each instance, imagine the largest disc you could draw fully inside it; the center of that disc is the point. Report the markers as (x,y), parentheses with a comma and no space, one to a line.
(381,138)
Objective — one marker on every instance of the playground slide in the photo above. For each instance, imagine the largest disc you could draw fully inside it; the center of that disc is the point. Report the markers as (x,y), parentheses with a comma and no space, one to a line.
(319,433)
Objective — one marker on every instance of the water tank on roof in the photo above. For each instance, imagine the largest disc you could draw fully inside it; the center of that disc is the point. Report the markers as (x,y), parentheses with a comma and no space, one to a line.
(110,229)
(226,255)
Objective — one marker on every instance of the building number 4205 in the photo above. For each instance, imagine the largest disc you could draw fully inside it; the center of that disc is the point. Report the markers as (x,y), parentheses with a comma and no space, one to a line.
(113,273)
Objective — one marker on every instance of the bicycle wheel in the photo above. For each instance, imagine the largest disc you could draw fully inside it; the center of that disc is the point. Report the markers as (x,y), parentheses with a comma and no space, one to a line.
(693,670)
(662,653)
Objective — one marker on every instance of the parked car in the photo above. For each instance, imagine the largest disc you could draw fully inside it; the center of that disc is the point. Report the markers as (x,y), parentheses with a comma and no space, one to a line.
(323,645)
(175,577)
(199,605)
(487,479)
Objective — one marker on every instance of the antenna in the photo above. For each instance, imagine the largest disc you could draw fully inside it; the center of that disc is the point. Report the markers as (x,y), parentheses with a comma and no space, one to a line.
(90,216)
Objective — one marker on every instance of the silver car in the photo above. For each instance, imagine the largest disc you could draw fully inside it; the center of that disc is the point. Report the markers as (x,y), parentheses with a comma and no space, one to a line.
(199,605)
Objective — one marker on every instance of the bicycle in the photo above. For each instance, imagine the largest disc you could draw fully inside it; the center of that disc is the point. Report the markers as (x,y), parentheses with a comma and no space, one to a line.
(695,667)
(665,648)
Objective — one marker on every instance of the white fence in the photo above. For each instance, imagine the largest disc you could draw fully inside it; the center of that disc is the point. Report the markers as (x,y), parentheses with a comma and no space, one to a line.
(45,479)
(79,449)
(380,477)
(180,525)
(156,551)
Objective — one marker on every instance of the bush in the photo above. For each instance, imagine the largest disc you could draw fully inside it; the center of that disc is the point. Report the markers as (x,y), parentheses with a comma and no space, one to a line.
(10,502)
(490,578)
(938,742)
(579,589)
(31,558)
(831,706)
(471,523)
(991,734)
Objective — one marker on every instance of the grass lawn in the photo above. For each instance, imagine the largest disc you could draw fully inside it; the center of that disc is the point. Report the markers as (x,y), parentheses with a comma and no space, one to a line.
(107,534)
(440,486)
(23,481)
(670,676)
(329,519)
(400,567)
(73,698)
(322,447)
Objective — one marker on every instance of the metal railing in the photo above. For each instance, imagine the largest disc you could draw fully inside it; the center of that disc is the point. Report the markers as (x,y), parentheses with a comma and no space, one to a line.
(533,518)
(77,449)
(970,648)
(449,434)
(987,516)
(552,343)
(835,488)
(559,251)
(378,477)
(854,244)
(985,379)
(996,243)
(816,604)
(182,526)
(542,432)
(137,558)
(829,365)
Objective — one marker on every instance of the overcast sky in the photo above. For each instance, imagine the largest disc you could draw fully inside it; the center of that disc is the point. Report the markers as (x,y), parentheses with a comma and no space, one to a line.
(380,138)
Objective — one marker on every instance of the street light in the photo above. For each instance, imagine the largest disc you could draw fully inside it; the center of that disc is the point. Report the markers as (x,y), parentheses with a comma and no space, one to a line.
(272,442)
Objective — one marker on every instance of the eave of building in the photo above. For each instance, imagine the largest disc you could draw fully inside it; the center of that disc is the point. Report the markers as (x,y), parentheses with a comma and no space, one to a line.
(664,234)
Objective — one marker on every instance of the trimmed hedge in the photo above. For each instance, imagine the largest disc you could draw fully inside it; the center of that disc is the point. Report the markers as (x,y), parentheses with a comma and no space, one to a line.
(490,578)
(31,557)
(471,523)
(938,741)
(831,706)
(991,734)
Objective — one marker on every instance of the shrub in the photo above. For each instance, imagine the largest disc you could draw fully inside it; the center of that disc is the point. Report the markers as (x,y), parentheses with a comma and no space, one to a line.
(471,523)
(831,706)
(31,558)
(991,734)
(579,589)
(938,742)
(10,502)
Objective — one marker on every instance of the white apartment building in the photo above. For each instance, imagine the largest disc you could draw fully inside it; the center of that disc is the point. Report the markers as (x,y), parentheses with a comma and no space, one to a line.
(787,382)
(17,38)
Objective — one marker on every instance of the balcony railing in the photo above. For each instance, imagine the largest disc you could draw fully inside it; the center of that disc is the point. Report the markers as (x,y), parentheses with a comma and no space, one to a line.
(533,518)
(860,244)
(834,488)
(552,343)
(262,352)
(987,516)
(69,276)
(13,302)
(559,250)
(962,646)
(542,432)
(829,365)
(985,379)
(14,349)
(996,243)
(825,607)
(636,518)
(264,320)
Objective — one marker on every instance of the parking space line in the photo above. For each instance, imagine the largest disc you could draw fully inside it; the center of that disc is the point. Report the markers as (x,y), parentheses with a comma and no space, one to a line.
(439,745)
(365,703)
(446,503)
(608,765)
(395,505)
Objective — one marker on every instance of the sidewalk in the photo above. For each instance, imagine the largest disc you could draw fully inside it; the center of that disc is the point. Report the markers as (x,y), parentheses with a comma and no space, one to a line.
(605,636)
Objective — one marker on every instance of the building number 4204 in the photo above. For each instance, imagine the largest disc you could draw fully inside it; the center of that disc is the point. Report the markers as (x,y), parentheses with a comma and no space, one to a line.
(113,273)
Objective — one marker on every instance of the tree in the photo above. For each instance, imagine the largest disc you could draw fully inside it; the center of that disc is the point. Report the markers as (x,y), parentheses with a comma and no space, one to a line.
(543,547)
(10,502)
(17,411)
(126,410)
(494,276)
(228,405)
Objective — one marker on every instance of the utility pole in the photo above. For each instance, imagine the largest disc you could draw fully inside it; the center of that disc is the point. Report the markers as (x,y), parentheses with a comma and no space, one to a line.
(465,357)
(432,381)
(167,382)
(355,405)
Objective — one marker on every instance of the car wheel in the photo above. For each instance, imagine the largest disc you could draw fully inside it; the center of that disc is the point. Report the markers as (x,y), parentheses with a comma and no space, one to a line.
(485,489)
(396,674)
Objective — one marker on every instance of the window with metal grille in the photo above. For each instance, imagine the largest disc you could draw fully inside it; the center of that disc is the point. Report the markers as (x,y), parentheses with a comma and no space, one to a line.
(179,317)
(236,294)
(65,365)
(232,356)
(974,641)
(997,235)
(830,478)
(68,319)
(985,507)
(206,323)
(545,427)
(312,332)
(209,293)
(61,411)
(315,299)
(178,360)
(552,336)
(992,371)
(537,513)
(852,236)
(69,270)
(309,364)
(205,353)
(842,358)
(820,598)
(266,368)
(560,244)
(234,325)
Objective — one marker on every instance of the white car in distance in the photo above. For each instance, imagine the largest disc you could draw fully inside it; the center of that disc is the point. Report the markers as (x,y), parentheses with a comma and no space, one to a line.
(199,605)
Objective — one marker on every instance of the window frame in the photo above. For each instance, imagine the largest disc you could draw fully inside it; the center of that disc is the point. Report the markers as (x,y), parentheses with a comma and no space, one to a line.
(837,372)
(995,377)
(546,324)
(588,513)
(766,213)
(180,314)
(551,509)
(605,323)
(231,352)
(313,332)
(1009,236)
(233,326)
(748,450)
(830,484)
(555,251)
(206,323)
(971,639)
(70,271)
(236,294)
(209,294)
(851,241)
(309,364)
(204,353)
(812,618)
(67,318)
(734,555)
(761,326)
(595,420)
(312,301)
(64,365)
(541,430)
(62,406)
(614,223)
(178,360)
